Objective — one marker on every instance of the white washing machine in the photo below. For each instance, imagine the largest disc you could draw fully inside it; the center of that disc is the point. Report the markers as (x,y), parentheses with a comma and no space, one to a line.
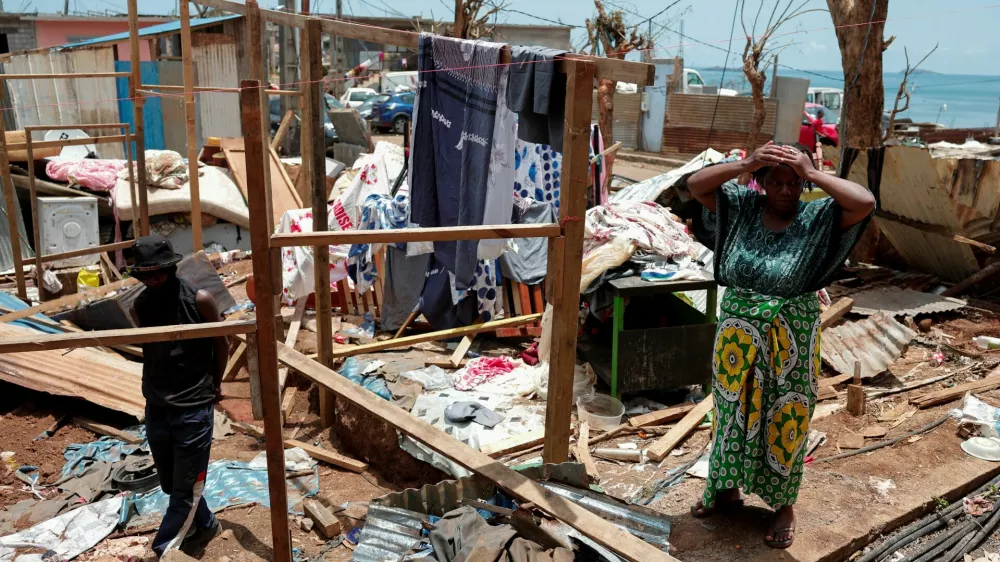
(67,224)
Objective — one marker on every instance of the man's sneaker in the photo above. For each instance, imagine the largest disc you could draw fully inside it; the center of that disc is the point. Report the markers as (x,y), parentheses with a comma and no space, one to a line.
(199,539)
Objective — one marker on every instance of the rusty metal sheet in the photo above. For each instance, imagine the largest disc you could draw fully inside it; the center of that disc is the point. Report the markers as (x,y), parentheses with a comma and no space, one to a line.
(940,255)
(902,302)
(105,379)
(876,342)
(218,112)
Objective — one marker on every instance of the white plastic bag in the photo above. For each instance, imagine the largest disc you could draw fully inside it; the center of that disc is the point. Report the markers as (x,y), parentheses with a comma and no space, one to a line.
(985,417)
(584,380)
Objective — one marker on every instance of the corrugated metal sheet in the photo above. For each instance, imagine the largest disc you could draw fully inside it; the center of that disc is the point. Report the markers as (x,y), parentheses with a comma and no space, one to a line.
(389,533)
(172,26)
(900,302)
(949,260)
(105,379)
(216,65)
(876,342)
(625,127)
(648,190)
(6,252)
(66,102)
(731,113)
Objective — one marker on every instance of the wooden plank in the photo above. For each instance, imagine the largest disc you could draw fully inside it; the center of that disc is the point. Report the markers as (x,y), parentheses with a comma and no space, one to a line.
(35,222)
(463,347)
(236,361)
(679,432)
(583,452)
(103,429)
(288,401)
(954,393)
(267,288)
(517,485)
(409,320)
(139,122)
(856,393)
(661,417)
(10,205)
(436,234)
(41,145)
(293,335)
(112,269)
(189,121)
(68,300)
(60,76)
(114,246)
(283,194)
(326,523)
(835,312)
(833,381)
(573,207)
(72,340)
(436,336)
(328,456)
(514,443)
(279,135)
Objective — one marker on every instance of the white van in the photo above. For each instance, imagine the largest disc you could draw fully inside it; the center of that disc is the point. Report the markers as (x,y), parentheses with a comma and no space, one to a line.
(832,98)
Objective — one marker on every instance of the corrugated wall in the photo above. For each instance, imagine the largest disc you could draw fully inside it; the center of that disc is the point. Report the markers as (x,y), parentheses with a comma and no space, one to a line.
(698,121)
(214,56)
(625,127)
(66,101)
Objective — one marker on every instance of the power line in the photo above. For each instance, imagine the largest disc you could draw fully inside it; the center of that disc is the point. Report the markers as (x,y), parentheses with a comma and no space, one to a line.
(539,18)
(722,80)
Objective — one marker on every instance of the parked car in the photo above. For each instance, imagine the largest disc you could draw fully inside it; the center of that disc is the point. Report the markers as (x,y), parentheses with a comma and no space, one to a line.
(391,112)
(333,103)
(365,109)
(813,130)
(354,97)
(274,111)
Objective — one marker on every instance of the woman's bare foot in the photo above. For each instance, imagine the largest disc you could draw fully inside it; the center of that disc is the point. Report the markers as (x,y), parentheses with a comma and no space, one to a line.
(782,531)
(724,499)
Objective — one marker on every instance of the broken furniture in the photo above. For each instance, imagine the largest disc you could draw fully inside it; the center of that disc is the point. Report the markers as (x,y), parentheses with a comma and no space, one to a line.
(643,357)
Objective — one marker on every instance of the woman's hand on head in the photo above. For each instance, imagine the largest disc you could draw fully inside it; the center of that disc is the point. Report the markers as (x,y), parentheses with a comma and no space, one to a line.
(797,160)
(767,155)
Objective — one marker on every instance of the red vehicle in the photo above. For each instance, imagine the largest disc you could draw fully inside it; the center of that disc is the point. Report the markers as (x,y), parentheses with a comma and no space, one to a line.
(819,124)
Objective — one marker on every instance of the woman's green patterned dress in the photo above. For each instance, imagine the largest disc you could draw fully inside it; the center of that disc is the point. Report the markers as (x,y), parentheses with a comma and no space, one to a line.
(767,352)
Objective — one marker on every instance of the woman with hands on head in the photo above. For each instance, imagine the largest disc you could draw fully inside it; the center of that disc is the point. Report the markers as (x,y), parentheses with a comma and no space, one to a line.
(772,253)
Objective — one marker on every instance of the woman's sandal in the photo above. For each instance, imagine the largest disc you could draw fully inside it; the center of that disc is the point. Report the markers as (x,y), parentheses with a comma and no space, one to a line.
(699,511)
(782,544)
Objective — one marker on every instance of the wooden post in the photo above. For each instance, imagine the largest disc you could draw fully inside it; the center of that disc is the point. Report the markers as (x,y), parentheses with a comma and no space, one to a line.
(459,19)
(132,191)
(573,205)
(856,393)
(314,168)
(189,122)
(35,223)
(139,130)
(267,356)
(255,29)
(10,203)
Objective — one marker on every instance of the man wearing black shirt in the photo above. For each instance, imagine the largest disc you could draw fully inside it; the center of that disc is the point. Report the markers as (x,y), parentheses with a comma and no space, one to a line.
(181,382)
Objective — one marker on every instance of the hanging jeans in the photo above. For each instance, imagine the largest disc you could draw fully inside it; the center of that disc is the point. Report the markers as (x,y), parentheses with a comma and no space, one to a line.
(181,442)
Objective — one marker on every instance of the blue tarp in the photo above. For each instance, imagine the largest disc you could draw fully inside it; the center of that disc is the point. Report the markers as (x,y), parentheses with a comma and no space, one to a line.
(108,449)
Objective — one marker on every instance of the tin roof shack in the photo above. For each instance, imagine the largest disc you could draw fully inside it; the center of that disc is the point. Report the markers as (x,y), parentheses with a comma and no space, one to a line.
(941,214)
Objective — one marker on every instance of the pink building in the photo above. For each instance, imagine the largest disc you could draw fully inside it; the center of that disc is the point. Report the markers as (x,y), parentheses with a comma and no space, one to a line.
(52,30)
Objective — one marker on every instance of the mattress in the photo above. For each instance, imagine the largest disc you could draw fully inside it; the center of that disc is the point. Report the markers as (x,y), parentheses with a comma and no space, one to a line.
(219,197)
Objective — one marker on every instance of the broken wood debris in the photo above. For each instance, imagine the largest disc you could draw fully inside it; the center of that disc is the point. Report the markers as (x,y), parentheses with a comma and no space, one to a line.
(325,522)
(662,416)
(954,393)
(662,447)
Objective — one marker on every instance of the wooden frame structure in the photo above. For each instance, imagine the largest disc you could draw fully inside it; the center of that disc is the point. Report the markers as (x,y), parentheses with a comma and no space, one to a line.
(565,251)
(141,218)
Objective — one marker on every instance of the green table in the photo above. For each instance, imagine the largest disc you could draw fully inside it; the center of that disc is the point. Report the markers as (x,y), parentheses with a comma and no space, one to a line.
(650,354)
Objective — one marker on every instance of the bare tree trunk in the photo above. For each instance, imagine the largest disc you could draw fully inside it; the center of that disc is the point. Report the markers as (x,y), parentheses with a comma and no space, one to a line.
(756,79)
(606,120)
(865,100)
(863,88)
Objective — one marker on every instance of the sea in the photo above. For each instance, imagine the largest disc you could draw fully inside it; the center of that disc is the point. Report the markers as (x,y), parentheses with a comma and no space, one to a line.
(953,100)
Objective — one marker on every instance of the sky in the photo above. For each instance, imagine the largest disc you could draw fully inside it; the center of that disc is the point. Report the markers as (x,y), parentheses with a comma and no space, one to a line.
(964,29)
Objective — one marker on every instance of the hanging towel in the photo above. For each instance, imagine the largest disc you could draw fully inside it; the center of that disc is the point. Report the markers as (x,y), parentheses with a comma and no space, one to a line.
(452,142)
(537,171)
(499,197)
(537,93)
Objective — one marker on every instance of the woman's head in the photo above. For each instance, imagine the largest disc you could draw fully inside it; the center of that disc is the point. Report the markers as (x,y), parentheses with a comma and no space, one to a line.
(781,183)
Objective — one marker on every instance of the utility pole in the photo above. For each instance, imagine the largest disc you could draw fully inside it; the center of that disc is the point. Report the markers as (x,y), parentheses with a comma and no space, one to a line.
(66,8)
(459,19)
(680,50)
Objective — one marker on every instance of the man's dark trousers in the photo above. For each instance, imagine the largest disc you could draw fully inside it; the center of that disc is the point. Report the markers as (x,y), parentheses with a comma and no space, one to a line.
(181,442)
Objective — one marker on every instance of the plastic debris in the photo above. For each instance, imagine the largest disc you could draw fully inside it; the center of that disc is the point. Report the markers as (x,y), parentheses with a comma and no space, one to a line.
(66,536)
(432,378)
(296,460)
(881,487)
(974,411)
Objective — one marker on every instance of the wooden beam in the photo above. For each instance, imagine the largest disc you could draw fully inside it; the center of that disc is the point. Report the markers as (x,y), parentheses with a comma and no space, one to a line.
(954,393)
(10,205)
(139,123)
(679,432)
(980,276)
(236,361)
(190,124)
(72,340)
(436,336)
(217,89)
(514,444)
(38,145)
(583,453)
(88,251)
(36,224)
(327,525)
(329,457)
(103,429)
(463,347)
(573,207)
(661,417)
(68,300)
(282,129)
(436,234)
(409,320)
(836,311)
(267,291)
(517,485)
